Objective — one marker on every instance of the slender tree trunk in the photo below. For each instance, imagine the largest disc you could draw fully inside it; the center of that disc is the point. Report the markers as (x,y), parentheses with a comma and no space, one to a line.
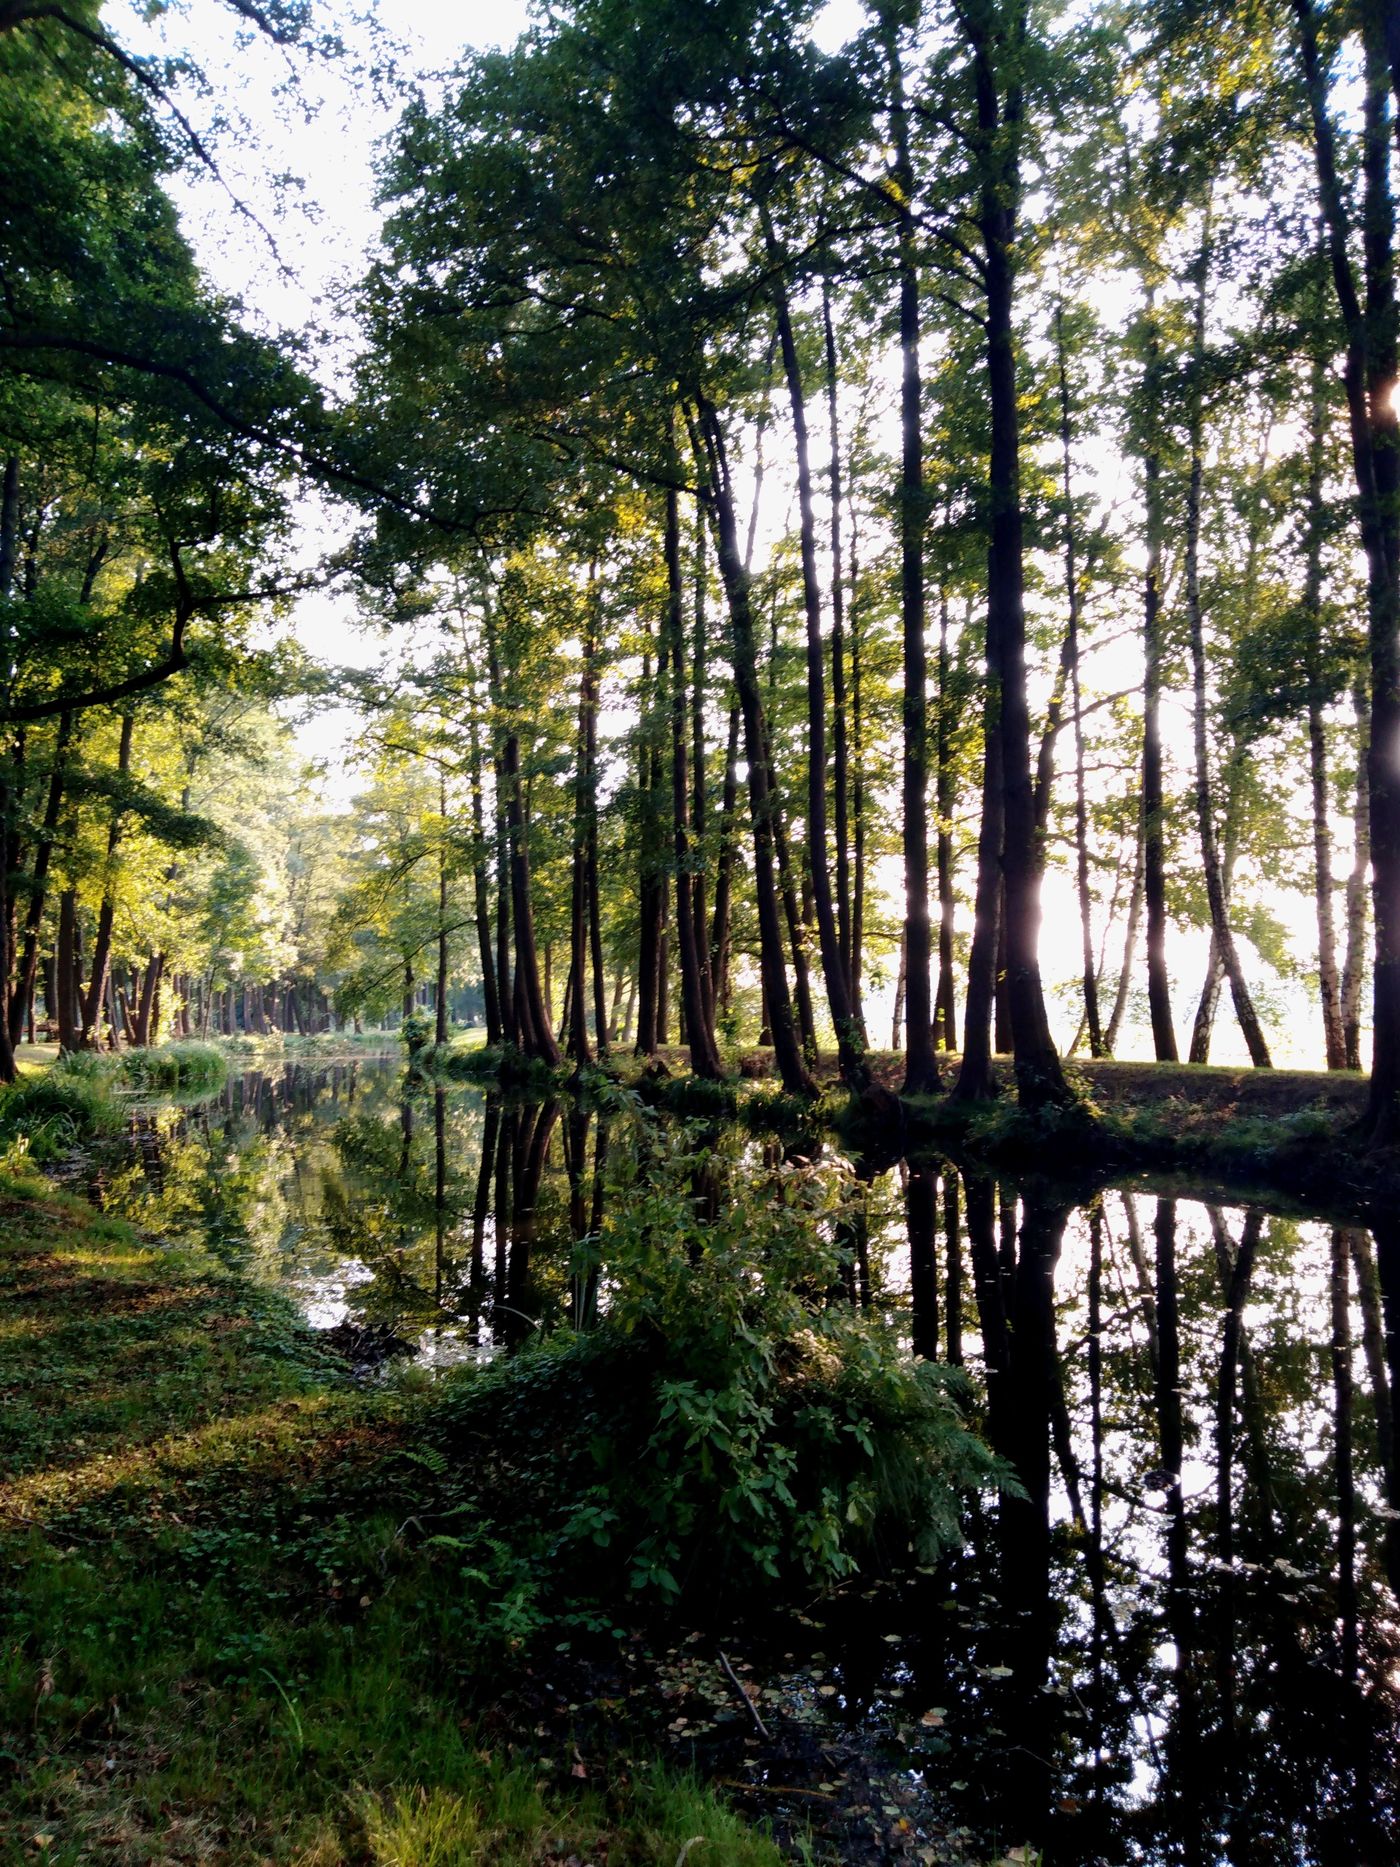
(1221,931)
(719,925)
(840,770)
(102,944)
(699,804)
(1130,933)
(1154,864)
(649,884)
(1072,649)
(69,1026)
(1039,1078)
(849,1044)
(921,1065)
(900,980)
(1354,965)
(719,496)
(694,958)
(490,992)
(1329,979)
(945,1024)
(1369,379)
(858,786)
(590,752)
(536,1035)
(21,1006)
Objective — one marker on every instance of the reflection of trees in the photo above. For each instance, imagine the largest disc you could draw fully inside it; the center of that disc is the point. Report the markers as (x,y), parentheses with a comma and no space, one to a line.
(1193,1564)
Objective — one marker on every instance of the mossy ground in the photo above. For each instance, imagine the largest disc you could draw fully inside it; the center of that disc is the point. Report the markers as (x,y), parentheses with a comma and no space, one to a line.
(219,1640)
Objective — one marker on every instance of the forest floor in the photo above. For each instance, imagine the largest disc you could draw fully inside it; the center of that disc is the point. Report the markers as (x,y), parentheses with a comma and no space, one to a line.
(224,1636)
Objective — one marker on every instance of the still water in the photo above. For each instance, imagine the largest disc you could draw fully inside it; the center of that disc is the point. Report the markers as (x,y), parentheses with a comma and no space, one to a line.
(1181,1644)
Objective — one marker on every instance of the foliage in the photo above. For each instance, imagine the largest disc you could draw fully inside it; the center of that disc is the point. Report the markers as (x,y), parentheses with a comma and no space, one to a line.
(734,1422)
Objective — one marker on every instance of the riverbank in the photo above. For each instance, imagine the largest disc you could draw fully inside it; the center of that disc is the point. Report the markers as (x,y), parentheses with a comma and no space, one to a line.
(222,1637)
(1283,1131)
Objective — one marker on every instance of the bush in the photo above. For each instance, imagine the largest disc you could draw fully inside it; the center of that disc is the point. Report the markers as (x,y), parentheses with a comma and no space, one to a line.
(731,1423)
(42,1118)
(186,1065)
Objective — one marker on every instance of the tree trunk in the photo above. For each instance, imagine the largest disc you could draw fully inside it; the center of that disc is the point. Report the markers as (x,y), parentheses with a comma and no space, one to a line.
(840,769)
(694,959)
(649,895)
(1039,1078)
(719,925)
(21,1007)
(490,991)
(854,1072)
(1072,649)
(921,1065)
(1369,379)
(792,1066)
(1222,933)
(1354,965)
(1154,866)
(102,945)
(1125,977)
(69,1025)
(945,1023)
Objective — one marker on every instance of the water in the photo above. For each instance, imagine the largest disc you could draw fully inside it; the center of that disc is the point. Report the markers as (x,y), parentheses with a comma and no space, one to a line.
(1180,1644)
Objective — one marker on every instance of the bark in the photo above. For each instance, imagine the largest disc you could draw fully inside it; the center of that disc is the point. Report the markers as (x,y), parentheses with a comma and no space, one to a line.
(695,994)
(1204,1022)
(536,1038)
(849,1045)
(975,1082)
(65,961)
(575,1022)
(480,893)
(440,1028)
(840,750)
(1222,933)
(1154,864)
(648,890)
(699,798)
(1369,379)
(590,753)
(724,876)
(1354,966)
(1072,651)
(921,1065)
(21,1007)
(1039,1078)
(1130,932)
(719,497)
(1328,975)
(102,944)
(945,1023)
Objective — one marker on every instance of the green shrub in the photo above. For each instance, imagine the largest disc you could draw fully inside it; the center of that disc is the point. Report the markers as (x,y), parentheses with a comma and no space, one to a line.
(731,1423)
(44,1117)
(184,1066)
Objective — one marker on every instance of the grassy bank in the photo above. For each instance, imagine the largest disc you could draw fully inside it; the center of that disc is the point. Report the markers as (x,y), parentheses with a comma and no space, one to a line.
(59,1105)
(222,1637)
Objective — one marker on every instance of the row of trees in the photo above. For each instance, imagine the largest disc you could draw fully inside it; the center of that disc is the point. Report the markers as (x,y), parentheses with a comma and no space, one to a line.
(1136,273)
(974,444)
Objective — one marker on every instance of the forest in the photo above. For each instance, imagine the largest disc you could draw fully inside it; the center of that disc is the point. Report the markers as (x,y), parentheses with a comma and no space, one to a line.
(814,501)
(796,664)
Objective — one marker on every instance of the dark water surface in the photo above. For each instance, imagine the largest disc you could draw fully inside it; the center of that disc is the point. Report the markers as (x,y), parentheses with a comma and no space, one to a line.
(1180,1645)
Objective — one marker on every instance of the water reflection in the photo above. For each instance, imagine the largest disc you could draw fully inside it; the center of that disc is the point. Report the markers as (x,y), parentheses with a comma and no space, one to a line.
(1174,1639)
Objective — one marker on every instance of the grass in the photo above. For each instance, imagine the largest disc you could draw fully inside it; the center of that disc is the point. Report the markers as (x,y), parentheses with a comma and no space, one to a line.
(222,1635)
